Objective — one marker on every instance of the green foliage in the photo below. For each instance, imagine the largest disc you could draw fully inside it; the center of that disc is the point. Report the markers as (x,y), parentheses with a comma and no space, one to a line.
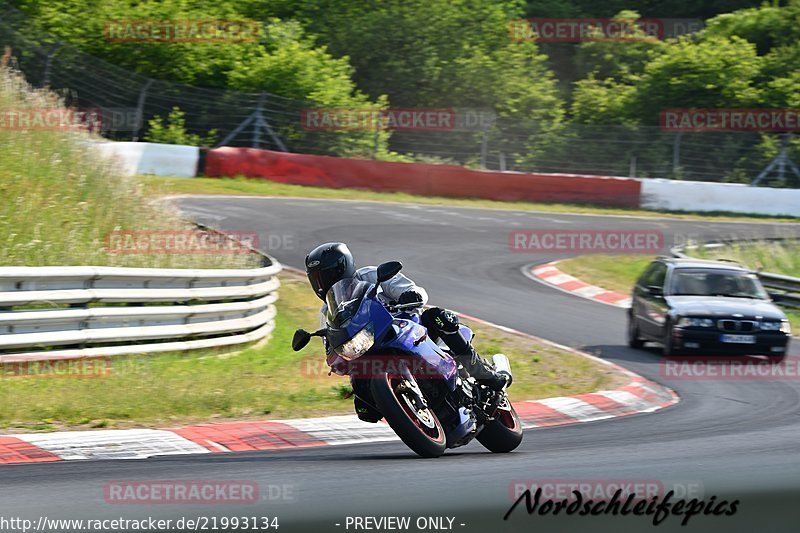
(617,58)
(767,27)
(717,72)
(59,201)
(458,53)
(174,131)
(412,50)
(742,59)
(648,8)
(279,61)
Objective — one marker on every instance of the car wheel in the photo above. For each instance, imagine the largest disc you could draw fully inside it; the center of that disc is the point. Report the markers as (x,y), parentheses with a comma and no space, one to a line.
(669,346)
(634,340)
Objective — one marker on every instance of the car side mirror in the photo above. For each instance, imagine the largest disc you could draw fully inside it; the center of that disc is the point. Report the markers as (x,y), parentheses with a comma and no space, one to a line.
(655,290)
(300,339)
(388,270)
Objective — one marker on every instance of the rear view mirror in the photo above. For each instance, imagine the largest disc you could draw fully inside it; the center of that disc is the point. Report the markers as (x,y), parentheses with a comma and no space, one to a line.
(388,270)
(655,290)
(300,339)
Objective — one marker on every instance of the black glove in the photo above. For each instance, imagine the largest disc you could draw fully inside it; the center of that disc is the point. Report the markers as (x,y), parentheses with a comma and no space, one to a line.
(410,297)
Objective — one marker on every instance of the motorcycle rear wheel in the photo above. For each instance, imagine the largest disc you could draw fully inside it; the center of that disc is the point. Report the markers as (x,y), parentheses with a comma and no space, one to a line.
(420,430)
(504,433)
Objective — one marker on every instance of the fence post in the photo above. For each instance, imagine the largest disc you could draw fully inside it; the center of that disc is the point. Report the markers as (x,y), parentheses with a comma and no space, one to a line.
(676,155)
(781,161)
(256,139)
(49,63)
(484,147)
(140,110)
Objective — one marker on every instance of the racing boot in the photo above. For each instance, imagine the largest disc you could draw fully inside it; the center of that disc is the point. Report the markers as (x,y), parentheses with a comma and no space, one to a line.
(447,326)
(365,412)
(481,371)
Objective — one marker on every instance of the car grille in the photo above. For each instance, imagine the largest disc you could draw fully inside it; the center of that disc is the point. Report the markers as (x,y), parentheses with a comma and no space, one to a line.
(737,325)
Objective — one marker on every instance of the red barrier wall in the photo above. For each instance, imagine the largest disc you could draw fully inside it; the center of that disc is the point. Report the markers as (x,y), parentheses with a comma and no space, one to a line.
(419,178)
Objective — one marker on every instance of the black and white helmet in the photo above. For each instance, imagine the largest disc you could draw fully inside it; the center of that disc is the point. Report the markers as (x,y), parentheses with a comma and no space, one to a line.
(328,263)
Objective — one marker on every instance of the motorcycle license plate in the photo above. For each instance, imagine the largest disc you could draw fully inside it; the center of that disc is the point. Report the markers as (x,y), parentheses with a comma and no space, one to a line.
(739,339)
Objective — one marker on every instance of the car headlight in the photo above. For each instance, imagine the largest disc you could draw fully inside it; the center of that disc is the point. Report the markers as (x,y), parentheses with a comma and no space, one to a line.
(783,326)
(694,322)
(359,344)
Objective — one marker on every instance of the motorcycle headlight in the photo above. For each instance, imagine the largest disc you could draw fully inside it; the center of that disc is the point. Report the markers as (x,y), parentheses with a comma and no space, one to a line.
(359,344)
(694,322)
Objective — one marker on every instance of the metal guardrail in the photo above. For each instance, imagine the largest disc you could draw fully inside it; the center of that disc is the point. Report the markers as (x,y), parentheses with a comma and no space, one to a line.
(51,313)
(785,290)
(789,287)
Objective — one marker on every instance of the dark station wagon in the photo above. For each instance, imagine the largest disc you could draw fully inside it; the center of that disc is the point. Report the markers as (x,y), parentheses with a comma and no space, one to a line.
(719,307)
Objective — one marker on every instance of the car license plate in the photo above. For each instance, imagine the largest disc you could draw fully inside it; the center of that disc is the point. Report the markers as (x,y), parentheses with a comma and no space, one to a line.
(739,339)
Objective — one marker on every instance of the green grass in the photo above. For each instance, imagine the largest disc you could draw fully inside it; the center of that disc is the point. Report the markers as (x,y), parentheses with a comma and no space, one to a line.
(157,185)
(260,382)
(611,272)
(58,201)
(775,257)
(619,273)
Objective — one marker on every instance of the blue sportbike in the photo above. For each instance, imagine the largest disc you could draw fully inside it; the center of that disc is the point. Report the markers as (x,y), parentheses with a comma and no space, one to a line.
(427,398)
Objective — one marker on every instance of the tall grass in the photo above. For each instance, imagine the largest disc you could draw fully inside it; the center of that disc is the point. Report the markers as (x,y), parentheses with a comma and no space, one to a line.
(59,200)
(775,257)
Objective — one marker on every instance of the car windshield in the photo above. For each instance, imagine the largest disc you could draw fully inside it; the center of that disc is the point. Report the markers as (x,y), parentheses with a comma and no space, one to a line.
(706,282)
(343,300)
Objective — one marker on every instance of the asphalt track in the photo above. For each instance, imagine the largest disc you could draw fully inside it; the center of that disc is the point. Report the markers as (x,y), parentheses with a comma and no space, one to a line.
(730,439)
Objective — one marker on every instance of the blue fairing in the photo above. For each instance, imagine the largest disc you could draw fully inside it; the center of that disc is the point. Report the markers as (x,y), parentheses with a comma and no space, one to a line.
(406,327)
(426,350)
(351,307)
(369,310)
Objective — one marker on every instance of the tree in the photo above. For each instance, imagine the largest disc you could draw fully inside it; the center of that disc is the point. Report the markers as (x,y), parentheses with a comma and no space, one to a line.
(174,131)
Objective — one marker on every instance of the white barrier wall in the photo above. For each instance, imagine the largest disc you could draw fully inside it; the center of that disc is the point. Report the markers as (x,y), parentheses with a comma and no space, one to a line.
(149,158)
(704,196)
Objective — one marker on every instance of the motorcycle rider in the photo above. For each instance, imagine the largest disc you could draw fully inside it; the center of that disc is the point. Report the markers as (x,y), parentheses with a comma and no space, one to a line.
(331,262)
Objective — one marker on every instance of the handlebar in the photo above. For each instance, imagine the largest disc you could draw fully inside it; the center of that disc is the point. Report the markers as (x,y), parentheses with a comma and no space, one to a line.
(401,307)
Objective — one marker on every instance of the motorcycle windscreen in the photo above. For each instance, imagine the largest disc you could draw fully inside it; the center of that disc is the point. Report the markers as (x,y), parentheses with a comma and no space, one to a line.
(344,299)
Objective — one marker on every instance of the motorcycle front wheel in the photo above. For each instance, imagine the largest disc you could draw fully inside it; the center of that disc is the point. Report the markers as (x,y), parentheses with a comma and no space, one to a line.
(504,433)
(416,425)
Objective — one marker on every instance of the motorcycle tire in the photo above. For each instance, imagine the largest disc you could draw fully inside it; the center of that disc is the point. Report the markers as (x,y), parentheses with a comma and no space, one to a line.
(423,434)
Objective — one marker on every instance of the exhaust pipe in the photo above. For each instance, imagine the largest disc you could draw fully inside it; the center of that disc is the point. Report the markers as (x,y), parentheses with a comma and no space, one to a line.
(503,366)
